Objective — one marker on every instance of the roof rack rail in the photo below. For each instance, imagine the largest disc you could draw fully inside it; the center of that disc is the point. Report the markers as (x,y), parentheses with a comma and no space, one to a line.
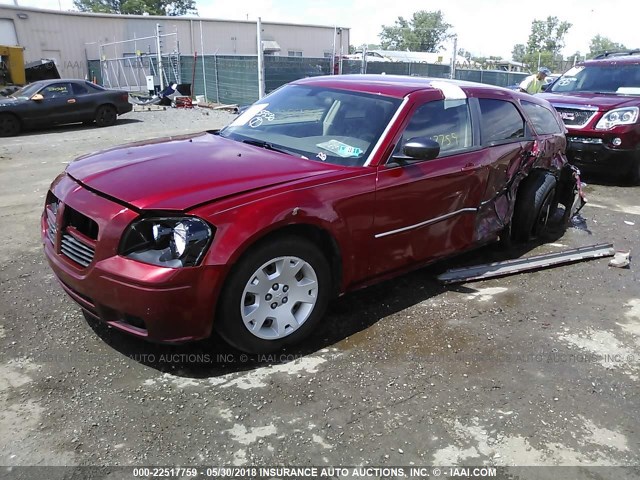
(618,53)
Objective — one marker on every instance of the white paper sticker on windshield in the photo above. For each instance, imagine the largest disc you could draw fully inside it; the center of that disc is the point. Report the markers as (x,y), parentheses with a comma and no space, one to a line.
(341,149)
(248,114)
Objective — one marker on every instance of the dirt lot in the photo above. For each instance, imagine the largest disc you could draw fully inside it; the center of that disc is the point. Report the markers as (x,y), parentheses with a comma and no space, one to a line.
(536,369)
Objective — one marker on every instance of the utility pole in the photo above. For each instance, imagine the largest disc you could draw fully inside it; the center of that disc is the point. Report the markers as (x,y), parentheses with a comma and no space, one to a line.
(159,57)
(333,52)
(341,52)
(260,61)
(363,67)
(454,56)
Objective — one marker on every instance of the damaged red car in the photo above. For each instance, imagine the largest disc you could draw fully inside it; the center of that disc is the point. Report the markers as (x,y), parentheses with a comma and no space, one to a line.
(327,185)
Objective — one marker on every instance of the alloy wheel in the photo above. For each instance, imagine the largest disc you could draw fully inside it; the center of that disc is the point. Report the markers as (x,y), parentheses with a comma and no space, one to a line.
(279,297)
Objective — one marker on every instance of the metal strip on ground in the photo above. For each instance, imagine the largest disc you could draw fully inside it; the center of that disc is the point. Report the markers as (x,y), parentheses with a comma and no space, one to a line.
(510,267)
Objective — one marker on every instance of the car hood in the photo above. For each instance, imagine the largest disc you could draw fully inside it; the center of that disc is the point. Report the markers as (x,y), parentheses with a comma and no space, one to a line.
(603,102)
(10,100)
(180,172)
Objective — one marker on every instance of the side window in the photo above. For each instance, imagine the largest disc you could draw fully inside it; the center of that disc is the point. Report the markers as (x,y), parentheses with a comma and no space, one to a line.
(444,121)
(544,120)
(79,89)
(56,90)
(501,121)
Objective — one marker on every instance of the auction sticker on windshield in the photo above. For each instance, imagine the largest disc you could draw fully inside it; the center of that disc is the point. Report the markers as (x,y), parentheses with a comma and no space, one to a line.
(248,114)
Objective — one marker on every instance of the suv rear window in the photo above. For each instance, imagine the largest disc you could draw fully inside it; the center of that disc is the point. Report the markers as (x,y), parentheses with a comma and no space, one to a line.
(544,120)
(607,78)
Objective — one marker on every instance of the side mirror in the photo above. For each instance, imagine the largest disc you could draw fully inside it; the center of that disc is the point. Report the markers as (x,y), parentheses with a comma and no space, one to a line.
(419,148)
(37,97)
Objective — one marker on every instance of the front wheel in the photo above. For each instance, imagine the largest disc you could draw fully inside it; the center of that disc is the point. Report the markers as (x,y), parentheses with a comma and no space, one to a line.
(634,176)
(274,296)
(9,125)
(106,116)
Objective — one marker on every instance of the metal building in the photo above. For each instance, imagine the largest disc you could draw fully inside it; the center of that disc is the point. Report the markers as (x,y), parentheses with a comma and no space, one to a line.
(74,38)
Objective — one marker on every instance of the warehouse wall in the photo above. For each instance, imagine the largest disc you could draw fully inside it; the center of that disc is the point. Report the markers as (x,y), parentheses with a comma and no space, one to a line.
(72,38)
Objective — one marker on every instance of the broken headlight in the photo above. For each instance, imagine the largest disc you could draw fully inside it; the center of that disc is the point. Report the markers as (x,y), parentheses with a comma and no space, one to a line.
(172,242)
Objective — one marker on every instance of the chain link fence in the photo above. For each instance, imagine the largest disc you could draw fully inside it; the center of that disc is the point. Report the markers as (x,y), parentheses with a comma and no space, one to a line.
(233,79)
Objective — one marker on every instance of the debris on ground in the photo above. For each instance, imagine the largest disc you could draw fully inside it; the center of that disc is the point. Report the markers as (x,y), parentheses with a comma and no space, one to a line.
(620,259)
(518,265)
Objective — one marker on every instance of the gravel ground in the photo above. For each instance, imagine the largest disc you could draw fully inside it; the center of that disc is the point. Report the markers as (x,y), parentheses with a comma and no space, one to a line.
(535,369)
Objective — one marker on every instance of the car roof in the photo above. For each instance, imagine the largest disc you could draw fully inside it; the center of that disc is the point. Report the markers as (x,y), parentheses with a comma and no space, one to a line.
(395,85)
(44,83)
(615,58)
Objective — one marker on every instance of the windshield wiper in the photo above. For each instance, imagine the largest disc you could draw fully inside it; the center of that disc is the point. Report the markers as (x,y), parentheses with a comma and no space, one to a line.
(265,145)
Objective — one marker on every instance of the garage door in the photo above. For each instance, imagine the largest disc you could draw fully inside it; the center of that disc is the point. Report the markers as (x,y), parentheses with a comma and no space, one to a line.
(8,32)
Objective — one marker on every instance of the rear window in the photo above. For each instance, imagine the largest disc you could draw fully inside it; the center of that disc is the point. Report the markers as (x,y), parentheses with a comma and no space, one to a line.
(79,89)
(94,88)
(501,121)
(544,120)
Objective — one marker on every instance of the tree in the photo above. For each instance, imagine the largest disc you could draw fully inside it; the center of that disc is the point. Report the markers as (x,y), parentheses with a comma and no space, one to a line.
(463,53)
(544,45)
(138,7)
(547,35)
(424,32)
(518,53)
(600,44)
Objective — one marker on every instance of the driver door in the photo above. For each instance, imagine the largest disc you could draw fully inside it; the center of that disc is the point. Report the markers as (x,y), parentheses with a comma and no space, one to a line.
(57,106)
(427,209)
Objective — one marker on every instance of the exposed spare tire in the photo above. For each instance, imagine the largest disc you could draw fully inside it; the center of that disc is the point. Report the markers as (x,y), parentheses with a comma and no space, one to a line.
(536,204)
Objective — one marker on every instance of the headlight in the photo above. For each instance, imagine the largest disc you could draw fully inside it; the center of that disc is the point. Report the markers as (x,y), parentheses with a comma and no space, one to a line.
(167,241)
(619,116)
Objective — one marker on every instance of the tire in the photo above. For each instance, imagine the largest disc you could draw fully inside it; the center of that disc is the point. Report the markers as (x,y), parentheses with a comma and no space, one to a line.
(535,205)
(106,116)
(9,125)
(257,312)
(505,242)
(634,174)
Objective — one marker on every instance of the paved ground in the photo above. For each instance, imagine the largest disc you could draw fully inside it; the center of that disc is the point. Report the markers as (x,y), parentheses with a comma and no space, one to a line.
(536,369)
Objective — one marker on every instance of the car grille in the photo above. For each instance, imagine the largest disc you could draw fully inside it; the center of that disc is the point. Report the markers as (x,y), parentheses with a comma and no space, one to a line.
(76,250)
(52,230)
(574,117)
(79,232)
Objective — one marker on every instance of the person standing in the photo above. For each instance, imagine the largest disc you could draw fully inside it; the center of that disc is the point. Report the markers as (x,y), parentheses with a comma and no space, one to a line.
(533,83)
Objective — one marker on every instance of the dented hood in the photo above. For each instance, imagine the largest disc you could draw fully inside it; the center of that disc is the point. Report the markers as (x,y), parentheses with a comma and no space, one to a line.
(179,173)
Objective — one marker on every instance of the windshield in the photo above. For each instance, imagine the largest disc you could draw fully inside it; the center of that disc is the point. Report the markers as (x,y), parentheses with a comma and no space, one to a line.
(620,79)
(334,126)
(27,92)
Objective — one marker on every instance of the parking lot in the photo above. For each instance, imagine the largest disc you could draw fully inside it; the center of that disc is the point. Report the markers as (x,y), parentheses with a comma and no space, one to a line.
(539,368)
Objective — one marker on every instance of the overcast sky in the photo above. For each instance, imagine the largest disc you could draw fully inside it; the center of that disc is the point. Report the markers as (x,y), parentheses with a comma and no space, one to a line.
(484,27)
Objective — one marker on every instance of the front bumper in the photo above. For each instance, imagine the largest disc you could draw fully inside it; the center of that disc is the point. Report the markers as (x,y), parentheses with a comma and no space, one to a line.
(599,157)
(156,303)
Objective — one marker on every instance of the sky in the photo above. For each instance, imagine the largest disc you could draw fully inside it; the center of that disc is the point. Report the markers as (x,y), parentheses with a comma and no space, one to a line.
(483,27)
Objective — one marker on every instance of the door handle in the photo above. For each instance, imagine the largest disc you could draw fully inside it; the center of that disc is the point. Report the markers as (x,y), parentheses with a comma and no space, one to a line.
(469,166)
(71,100)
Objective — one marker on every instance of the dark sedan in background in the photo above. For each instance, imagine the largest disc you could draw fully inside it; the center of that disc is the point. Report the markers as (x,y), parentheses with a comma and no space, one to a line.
(51,102)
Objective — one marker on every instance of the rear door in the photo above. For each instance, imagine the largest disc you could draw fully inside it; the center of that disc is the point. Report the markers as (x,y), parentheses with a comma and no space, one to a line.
(427,209)
(550,131)
(508,141)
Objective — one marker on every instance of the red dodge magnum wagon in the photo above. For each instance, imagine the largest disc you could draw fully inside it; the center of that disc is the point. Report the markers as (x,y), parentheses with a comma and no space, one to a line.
(326,185)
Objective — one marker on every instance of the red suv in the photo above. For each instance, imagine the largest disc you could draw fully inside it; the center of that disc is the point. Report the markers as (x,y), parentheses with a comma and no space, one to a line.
(327,185)
(599,101)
